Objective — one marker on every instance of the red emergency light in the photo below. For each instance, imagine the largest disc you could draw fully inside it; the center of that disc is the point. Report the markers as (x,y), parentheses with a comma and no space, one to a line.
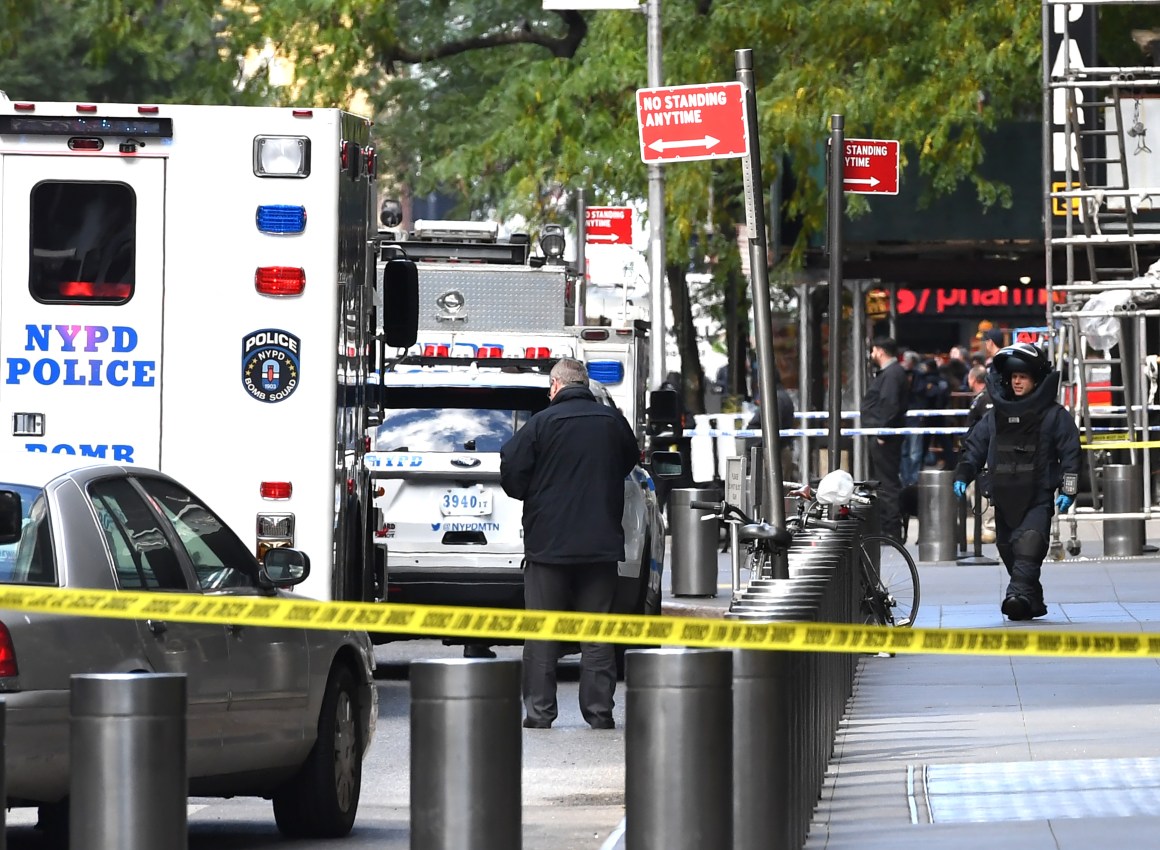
(440,350)
(276,489)
(490,351)
(537,353)
(88,289)
(280,280)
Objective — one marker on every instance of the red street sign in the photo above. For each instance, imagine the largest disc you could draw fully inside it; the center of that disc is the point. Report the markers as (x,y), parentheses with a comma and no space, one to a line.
(871,166)
(682,123)
(608,226)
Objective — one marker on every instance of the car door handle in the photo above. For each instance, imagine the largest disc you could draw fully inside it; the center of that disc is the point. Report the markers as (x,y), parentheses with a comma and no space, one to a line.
(157,626)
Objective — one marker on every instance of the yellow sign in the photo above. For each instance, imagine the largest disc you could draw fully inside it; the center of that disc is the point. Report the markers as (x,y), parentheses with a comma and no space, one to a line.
(1059,205)
(436,621)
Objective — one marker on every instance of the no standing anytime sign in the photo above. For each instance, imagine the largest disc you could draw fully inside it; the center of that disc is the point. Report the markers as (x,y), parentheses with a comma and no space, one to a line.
(682,123)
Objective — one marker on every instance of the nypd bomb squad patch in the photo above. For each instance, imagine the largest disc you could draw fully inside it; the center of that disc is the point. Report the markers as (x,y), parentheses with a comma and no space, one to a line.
(270,364)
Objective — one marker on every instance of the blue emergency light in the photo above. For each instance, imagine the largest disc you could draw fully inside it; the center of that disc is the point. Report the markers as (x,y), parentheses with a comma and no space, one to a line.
(281,218)
(606,371)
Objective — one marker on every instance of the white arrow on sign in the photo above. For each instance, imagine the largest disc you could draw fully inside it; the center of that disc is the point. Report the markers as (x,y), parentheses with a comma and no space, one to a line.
(869,181)
(601,237)
(661,145)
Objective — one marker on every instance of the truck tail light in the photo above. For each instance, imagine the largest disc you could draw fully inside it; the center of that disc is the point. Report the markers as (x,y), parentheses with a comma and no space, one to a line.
(282,156)
(276,489)
(274,531)
(8,666)
(606,371)
(280,218)
(594,334)
(280,280)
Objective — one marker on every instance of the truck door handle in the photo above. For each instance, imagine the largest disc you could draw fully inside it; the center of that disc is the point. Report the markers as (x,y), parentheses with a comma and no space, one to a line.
(158,627)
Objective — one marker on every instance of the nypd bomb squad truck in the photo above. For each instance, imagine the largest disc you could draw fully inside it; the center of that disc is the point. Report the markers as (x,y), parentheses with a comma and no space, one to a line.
(191,288)
(493,320)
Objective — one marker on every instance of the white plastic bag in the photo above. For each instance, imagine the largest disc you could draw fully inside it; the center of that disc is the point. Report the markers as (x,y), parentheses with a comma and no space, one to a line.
(1102,332)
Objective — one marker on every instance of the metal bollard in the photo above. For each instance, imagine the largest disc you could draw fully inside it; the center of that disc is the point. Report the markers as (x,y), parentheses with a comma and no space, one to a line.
(762,819)
(694,564)
(936,515)
(678,788)
(466,754)
(1123,493)
(128,787)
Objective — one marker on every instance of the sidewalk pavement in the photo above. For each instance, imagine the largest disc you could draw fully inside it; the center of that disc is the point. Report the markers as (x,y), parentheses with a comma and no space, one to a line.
(954,751)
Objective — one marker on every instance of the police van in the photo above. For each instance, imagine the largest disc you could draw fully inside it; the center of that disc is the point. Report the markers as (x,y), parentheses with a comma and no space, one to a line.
(493,320)
(192,289)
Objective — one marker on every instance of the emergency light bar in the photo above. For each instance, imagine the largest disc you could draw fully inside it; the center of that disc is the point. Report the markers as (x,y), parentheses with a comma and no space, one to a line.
(280,218)
(85,125)
(282,156)
(478,231)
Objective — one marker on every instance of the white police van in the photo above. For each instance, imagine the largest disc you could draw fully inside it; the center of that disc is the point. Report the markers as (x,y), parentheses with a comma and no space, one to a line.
(492,322)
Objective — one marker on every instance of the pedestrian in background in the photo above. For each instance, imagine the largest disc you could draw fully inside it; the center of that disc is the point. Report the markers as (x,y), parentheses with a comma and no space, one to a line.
(884,406)
(568,465)
(992,342)
(913,445)
(1030,445)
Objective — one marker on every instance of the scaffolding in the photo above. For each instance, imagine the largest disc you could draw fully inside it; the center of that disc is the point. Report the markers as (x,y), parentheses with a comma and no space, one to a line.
(1102,225)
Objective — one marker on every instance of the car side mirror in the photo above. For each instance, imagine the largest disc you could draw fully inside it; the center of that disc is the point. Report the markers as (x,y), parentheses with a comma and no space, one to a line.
(283,567)
(400,303)
(666,464)
(663,408)
(11,517)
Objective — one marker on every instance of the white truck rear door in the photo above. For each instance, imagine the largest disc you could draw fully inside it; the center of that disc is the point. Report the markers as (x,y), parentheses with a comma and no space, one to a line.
(81,312)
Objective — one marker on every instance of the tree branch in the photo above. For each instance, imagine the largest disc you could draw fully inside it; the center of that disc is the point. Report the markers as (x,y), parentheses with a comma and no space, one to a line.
(561,46)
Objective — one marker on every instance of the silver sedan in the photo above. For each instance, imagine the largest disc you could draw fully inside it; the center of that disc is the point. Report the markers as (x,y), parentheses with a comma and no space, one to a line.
(273,712)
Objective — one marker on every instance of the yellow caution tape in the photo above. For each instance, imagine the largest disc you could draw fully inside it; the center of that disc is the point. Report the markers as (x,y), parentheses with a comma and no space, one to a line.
(1121,444)
(446,621)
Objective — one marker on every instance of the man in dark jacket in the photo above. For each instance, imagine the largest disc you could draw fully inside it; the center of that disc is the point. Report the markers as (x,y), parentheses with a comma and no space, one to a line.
(568,466)
(884,406)
(1031,447)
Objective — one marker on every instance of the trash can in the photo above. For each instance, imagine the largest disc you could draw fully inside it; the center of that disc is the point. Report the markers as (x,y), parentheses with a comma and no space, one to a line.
(694,563)
(936,515)
(1123,494)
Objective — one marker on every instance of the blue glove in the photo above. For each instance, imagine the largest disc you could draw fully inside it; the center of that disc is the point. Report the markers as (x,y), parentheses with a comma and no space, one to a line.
(1063,502)
(960,489)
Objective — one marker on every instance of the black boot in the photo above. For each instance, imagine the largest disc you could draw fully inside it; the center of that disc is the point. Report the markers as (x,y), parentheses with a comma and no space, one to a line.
(1018,608)
(1038,608)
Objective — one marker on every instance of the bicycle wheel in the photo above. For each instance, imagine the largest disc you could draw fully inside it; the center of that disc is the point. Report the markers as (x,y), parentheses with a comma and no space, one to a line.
(891,578)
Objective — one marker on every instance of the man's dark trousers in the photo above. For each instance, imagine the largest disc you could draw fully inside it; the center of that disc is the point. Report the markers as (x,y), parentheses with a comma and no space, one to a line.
(885,465)
(569,587)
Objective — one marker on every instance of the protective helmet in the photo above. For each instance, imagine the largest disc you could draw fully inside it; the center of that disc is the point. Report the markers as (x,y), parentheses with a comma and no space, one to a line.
(1022,357)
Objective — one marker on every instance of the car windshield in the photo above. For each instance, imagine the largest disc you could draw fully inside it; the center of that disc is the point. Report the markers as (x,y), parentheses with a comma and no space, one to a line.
(455,419)
(8,551)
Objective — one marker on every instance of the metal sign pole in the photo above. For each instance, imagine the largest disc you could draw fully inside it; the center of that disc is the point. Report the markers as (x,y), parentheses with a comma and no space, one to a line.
(773,507)
(836,198)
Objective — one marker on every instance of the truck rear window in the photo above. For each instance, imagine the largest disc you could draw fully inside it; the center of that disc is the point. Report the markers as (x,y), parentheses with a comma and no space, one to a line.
(454,419)
(83,243)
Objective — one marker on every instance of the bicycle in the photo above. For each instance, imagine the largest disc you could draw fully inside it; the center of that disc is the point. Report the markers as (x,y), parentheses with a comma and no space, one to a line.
(889,576)
(890,584)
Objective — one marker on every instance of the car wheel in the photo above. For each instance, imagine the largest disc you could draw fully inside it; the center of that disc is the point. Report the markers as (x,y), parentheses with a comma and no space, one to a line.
(322,799)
